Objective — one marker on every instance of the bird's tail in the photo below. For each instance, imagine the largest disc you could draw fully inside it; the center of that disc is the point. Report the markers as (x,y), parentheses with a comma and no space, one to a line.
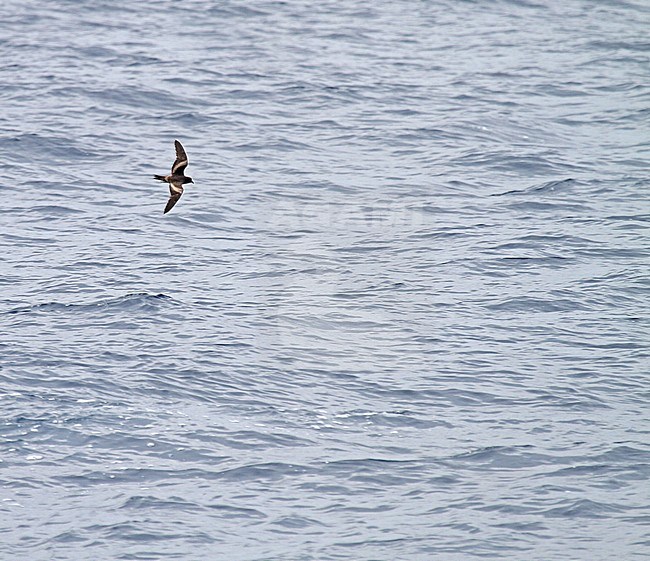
(159,177)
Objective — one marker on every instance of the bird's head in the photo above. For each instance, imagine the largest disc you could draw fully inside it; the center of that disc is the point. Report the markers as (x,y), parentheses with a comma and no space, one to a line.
(188,180)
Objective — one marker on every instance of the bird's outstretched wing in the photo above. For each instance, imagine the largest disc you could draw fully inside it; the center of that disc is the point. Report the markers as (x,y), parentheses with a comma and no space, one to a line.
(175,192)
(181,159)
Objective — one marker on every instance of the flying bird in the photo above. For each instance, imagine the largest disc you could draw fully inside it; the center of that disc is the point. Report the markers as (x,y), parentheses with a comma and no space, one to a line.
(176,178)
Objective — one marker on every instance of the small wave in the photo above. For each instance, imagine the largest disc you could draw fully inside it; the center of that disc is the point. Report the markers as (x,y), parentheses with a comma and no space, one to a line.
(526,304)
(549,187)
(584,508)
(135,301)
(41,146)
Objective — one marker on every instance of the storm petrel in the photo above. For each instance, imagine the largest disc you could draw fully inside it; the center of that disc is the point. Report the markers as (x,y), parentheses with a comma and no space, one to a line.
(176,178)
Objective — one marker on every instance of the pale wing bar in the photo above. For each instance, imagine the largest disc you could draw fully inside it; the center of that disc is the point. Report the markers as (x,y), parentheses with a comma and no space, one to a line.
(175,192)
(181,159)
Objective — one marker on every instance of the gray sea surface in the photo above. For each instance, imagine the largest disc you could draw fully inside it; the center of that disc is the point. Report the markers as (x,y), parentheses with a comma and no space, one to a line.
(402,314)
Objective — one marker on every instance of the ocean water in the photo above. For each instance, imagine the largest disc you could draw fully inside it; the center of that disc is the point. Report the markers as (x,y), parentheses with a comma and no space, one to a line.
(401,315)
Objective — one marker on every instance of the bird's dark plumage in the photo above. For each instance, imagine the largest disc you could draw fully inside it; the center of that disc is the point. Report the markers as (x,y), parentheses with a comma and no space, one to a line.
(176,178)
(181,159)
(174,194)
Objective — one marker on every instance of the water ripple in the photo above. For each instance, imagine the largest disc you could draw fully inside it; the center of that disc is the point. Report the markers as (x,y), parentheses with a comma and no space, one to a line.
(401,314)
